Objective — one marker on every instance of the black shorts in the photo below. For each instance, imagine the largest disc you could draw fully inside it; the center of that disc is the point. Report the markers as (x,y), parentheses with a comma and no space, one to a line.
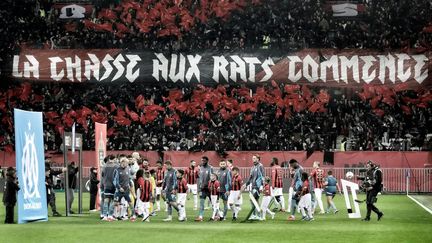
(223,196)
(205,193)
(109,193)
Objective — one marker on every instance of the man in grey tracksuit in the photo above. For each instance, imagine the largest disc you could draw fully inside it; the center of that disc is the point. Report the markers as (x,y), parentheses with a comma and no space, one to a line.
(122,183)
(224,176)
(256,181)
(168,186)
(108,188)
(203,179)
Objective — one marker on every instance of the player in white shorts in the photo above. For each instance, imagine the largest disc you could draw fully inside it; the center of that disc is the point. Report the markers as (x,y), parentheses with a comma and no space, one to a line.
(191,175)
(235,199)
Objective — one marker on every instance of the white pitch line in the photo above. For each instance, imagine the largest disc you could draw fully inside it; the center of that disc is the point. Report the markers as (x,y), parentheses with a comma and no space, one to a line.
(421,205)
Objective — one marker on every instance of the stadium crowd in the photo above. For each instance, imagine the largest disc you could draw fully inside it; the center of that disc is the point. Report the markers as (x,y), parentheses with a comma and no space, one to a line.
(197,118)
(166,117)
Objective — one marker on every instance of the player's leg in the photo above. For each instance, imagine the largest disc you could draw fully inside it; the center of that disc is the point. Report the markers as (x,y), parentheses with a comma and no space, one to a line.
(308,206)
(146,211)
(301,206)
(318,196)
(264,206)
(195,195)
(158,196)
(290,195)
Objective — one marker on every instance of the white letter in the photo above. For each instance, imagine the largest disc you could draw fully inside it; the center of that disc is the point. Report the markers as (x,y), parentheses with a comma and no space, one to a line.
(401,75)
(367,65)
(352,63)
(292,65)
(193,70)
(220,64)
(89,67)
(160,65)
(130,75)
(182,65)
(33,68)
(334,65)
(421,60)
(54,75)
(308,61)
(119,66)
(107,66)
(238,67)
(387,62)
(251,61)
(266,67)
(15,67)
(73,65)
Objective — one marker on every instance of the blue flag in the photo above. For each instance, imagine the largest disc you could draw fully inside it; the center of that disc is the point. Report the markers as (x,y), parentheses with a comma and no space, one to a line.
(30,165)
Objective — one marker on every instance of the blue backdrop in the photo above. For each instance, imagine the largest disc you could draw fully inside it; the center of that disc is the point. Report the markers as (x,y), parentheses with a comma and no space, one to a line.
(30,165)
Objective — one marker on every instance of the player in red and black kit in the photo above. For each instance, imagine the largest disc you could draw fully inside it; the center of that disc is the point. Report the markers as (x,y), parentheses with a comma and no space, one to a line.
(277,183)
(191,174)
(317,175)
(305,203)
(267,197)
(214,189)
(235,198)
(182,189)
(146,193)
(160,175)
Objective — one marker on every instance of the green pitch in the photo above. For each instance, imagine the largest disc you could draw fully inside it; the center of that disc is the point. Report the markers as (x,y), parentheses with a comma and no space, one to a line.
(404,221)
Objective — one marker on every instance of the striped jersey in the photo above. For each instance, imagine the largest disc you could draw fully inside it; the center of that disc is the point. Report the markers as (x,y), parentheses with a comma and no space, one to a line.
(160,175)
(277,176)
(146,189)
(237,182)
(214,187)
(192,175)
(318,177)
(182,185)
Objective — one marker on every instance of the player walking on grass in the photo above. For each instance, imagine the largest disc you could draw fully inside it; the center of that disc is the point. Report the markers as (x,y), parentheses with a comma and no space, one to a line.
(182,189)
(297,187)
(122,183)
(267,191)
(191,174)
(214,188)
(109,188)
(255,182)
(305,203)
(317,175)
(277,183)
(169,187)
(145,194)
(224,176)
(331,185)
(235,199)
(203,179)
(160,175)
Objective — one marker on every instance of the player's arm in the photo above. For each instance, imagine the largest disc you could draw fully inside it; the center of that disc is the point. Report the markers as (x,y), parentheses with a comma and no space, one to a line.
(116,181)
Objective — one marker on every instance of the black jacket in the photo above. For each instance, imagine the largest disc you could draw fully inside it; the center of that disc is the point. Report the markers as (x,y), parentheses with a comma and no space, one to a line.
(49,179)
(72,171)
(10,191)
(93,183)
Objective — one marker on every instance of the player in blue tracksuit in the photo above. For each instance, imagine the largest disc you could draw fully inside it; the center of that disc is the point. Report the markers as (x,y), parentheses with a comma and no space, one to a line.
(168,189)
(108,188)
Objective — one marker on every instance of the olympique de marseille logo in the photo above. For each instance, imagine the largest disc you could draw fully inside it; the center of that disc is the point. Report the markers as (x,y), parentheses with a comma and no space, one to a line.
(29,169)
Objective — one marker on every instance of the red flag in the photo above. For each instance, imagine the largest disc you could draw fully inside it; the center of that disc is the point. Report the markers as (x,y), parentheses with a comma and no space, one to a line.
(51,115)
(400,87)
(406,110)
(313,108)
(139,102)
(85,111)
(107,14)
(379,112)
(110,131)
(389,101)
(121,120)
(374,102)
(168,121)
(102,108)
(25,93)
(122,28)
(113,107)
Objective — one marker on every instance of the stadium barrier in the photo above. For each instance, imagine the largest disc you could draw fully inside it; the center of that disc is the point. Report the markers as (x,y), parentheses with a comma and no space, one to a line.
(387,159)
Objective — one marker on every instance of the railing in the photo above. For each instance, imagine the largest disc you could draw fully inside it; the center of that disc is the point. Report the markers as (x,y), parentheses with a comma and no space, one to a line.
(394,179)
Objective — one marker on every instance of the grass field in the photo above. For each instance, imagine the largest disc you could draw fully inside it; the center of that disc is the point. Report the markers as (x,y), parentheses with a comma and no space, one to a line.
(404,221)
